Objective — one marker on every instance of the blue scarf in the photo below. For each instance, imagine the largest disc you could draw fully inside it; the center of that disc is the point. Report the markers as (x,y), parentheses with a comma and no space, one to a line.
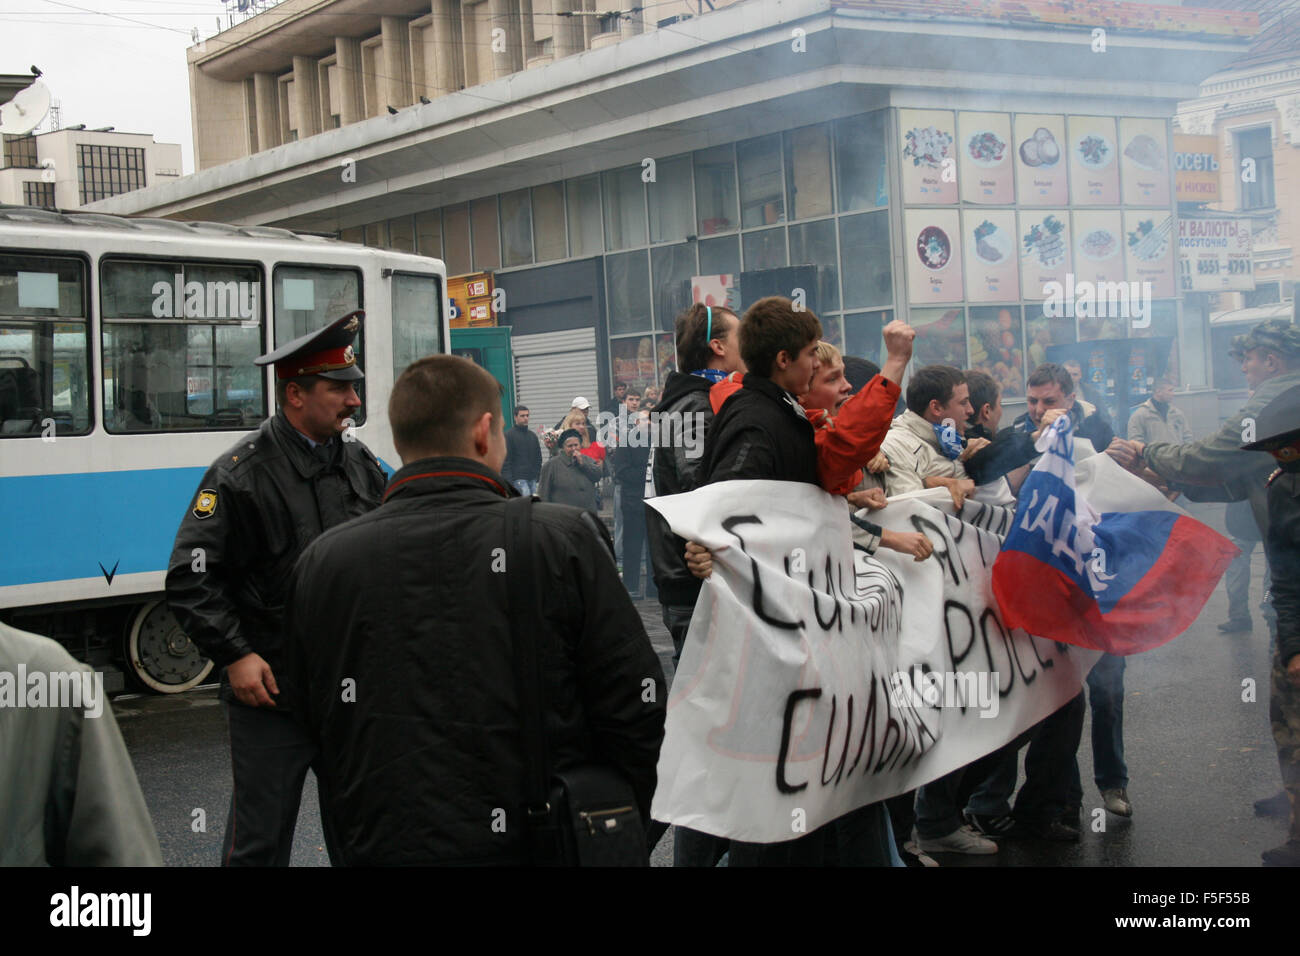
(714,375)
(949,440)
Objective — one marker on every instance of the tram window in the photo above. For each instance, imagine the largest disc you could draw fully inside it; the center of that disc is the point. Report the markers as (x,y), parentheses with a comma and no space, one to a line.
(179,343)
(417,319)
(310,298)
(44,349)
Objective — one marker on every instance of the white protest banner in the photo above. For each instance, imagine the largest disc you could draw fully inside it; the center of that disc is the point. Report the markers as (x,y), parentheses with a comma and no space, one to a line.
(816,679)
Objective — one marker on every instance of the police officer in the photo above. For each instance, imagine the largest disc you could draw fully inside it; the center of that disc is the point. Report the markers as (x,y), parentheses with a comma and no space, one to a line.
(258,506)
(1279,422)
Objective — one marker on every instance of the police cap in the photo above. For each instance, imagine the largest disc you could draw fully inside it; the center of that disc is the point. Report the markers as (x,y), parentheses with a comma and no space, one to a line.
(326,352)
(1279,426)
(1273,335)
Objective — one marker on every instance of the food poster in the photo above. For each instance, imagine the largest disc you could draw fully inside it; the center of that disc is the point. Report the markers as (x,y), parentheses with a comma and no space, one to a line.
(1044,249)
(1094,165)
(1144,161)
(1098,245)
(933,250)
(991,263)
(940,337)
(633,360)
(1149,250)
(984,158)
(997,346)
(929,156)
(1039,160)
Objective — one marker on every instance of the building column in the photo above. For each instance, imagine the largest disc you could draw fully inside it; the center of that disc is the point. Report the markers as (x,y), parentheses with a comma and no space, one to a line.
(504,15)
(443,61)
(266,96)
(396,82)
(568,30)
(306,95)
(347,51)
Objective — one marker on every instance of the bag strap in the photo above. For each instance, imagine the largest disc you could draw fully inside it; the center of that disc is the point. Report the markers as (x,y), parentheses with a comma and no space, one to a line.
(523,597)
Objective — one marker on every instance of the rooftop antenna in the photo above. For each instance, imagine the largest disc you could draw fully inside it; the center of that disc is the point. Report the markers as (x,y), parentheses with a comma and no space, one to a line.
(25,111)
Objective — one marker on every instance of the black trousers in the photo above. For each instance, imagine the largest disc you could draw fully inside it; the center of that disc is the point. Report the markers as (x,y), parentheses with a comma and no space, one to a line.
(634,543)
(269,757)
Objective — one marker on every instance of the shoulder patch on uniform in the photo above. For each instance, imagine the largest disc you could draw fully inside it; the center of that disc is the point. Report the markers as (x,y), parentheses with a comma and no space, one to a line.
(205,505)
(1276,472)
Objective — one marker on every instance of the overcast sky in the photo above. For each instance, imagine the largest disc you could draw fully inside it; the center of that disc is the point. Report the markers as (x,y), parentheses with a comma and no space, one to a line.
(111,62)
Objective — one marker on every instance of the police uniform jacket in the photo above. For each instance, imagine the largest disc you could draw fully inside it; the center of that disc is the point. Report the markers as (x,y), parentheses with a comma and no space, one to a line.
(1282,546)
(1215,468)
(257,508)
(399,641)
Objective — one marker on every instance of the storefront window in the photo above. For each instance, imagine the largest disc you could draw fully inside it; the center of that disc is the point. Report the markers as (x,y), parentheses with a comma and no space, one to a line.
(715,190)
(765,250)
(401,234)
(808,171)
(549,237)
(862,175)
(585,230)
(1042,331)
(669,201)
(832,331)
(666,351)
(455,240)
(377,234)
(862,334)
(1164,321)
(672,268)
(997,347)
(720,256)
(487,241)
(868,277)
(940,337)
(813,244)
(624,194)
(428,233)
(761,199)
(628,295)
(516,228)
(355,234)
(633,360)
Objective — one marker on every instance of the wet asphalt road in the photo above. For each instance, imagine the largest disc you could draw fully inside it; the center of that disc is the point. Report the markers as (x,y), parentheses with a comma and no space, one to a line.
(1198,756)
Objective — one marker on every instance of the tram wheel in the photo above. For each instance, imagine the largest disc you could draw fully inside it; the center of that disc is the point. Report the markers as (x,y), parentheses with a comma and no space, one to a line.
(159,656)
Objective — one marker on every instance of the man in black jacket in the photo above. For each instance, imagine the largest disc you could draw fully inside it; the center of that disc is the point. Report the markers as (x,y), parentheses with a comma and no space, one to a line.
(400,638)
(256,509)
(1279,423)
(523,455)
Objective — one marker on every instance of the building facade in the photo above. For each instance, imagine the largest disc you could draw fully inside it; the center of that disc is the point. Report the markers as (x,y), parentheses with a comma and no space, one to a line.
(68,168)
(961,165)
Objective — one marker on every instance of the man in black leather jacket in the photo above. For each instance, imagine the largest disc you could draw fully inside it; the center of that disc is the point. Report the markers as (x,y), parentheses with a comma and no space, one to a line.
(256,509)
(399,636)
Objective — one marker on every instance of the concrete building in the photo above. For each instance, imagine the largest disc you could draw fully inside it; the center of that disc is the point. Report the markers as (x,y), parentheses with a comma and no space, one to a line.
(1249,115)
(68,168)
(942,161)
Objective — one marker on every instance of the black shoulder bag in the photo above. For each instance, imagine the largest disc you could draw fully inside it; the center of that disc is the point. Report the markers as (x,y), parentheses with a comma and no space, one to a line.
(585,815)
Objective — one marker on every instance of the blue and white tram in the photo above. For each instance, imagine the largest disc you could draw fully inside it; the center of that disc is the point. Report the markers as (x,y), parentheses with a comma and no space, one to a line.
(126,368)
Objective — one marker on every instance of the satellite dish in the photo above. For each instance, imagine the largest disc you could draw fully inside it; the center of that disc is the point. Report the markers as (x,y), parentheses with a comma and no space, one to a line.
(25,111)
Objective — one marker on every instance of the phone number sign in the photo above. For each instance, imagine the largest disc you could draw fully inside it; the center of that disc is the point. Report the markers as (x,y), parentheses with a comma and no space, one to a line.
(1214,255)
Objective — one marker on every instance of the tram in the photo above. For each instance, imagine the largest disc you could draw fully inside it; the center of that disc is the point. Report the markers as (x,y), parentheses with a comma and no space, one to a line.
(126,368)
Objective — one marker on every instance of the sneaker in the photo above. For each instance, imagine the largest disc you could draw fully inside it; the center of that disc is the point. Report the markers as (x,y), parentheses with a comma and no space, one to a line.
(961,840)
(912,856)
(1277,805)
(1288,854)
(1117,802)
(1052,830)
(1239,626)
(991,826)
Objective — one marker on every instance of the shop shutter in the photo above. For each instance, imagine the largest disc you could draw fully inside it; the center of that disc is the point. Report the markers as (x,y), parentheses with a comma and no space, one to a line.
(551,369)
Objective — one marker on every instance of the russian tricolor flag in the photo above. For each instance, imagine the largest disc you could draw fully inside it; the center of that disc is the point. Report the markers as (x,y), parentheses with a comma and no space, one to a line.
(1110,564)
